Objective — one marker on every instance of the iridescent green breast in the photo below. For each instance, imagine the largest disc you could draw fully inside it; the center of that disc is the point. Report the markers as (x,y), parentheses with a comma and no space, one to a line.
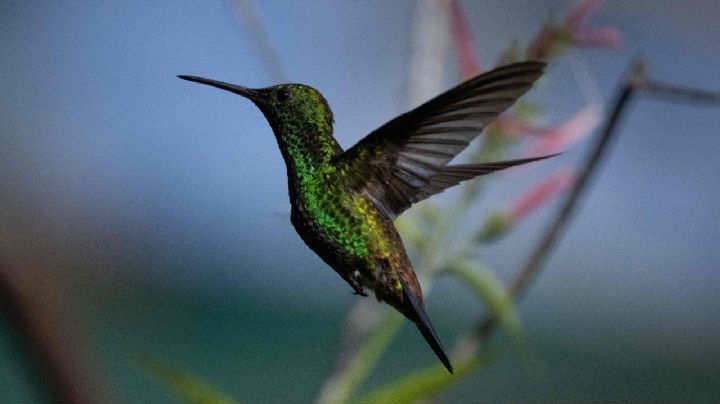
(348,232)
(346,219)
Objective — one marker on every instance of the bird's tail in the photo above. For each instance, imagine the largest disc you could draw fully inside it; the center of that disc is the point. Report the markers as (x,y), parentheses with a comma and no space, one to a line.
(422,321)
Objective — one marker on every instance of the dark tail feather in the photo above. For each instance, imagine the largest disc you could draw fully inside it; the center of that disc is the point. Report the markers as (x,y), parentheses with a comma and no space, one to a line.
(426,329)
(429,333)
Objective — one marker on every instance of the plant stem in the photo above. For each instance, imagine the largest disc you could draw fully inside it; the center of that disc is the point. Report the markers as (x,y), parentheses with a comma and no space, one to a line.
(45,331)
(635,81)
(534,263)
(342,387)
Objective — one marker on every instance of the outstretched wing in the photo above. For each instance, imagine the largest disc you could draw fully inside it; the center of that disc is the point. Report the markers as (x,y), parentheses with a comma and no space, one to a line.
(451,175)
(405,160)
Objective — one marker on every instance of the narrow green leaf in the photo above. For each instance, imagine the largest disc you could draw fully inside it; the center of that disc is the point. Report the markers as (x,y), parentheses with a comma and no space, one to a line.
(187,387)
(527,110)
(490,290)
(365,359)
(496,226)
(424,383)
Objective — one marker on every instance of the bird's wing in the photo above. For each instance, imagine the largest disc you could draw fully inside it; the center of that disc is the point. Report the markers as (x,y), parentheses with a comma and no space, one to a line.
(405,160)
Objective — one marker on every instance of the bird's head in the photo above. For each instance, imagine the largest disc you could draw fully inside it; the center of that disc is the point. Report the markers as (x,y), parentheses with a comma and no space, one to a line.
(287,107)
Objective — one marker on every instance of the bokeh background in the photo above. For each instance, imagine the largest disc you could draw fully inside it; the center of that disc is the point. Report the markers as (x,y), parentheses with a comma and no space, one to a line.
(159,207)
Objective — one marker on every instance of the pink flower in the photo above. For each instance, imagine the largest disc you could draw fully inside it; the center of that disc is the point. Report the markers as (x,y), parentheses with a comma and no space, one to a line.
(582,35)
(553,185)
(603,37)
(581,11)
(464,43)
(553,38)
(561,137)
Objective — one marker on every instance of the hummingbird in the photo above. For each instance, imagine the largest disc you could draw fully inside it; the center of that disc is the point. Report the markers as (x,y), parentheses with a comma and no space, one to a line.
(344,201)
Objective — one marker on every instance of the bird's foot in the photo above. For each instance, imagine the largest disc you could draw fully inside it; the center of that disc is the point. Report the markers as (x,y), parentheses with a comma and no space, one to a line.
(356,283)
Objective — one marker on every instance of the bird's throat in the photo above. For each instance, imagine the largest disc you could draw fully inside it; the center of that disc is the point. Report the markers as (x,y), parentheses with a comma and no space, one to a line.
(306,151)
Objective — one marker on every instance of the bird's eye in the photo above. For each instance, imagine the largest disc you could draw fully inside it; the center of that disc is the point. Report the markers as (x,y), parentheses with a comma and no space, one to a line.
(282,95)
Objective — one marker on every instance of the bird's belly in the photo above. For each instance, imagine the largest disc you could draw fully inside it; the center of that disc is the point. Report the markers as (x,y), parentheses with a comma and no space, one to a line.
(366,250)
(332,252)
(347,234)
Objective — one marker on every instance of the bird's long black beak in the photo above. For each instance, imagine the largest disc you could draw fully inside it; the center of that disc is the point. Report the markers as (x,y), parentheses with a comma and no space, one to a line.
(240,90)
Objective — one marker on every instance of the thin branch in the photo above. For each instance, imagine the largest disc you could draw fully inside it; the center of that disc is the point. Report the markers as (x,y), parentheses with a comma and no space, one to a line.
(635,81)
(342,386)
(247,14)
(360,322)
(672,92)
(537,258)
(596,153)
(427,64)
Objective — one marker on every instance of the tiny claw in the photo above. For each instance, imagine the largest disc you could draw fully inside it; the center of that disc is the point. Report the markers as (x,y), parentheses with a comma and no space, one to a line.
(356,283)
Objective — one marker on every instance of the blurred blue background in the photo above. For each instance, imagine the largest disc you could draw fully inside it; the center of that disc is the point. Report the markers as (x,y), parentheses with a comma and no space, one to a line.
(161,206)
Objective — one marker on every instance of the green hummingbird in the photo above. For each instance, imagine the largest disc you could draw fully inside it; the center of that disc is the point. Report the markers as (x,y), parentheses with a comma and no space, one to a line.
(344,201)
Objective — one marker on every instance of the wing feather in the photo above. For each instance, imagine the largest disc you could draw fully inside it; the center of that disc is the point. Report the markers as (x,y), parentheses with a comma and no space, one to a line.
(406,160)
